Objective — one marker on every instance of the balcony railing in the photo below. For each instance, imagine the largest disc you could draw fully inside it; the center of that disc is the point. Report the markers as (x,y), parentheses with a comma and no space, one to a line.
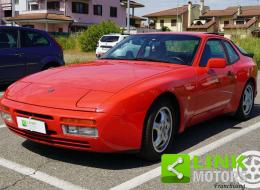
(50,11)
(2,2)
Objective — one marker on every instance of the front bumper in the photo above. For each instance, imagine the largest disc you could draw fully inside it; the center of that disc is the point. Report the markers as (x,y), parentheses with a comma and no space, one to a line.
(115,133)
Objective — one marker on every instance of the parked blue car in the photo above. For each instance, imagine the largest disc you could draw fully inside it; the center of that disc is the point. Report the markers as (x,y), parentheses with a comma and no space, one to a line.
(25,51)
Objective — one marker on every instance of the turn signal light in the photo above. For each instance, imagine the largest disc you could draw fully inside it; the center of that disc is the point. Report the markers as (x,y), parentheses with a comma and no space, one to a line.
(6,117)
(86,122)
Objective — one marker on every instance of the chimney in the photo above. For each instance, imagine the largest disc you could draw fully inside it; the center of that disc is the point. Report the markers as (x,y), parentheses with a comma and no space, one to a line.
(201,7)
(239,11)
(189,13)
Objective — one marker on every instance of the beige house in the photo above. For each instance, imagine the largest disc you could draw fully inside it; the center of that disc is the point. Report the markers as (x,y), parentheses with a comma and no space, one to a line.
(177,19)
(213,20)
(136,21)
(246,23)
(233,21)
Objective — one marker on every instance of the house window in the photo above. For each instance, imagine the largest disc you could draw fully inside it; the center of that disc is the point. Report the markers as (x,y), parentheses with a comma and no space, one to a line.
(53,5)
(161,23)
(113,11)
(98,10)
(8,13)
(79,7)
(33,5)
(239,22)
(16,2)
(226,22)
(173,22)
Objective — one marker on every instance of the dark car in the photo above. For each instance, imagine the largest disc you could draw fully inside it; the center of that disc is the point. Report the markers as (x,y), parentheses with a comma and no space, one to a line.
(25,51)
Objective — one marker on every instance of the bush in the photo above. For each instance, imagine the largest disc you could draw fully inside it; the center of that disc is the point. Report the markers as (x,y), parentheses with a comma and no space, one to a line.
(89,38)
(165,29)
(67,43)
(251,45)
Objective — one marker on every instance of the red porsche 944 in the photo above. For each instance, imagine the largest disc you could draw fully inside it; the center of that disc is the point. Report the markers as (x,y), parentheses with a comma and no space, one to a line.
(141,93)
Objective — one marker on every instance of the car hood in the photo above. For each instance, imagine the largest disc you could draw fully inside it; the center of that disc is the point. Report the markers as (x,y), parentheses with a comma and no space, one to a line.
(82,86)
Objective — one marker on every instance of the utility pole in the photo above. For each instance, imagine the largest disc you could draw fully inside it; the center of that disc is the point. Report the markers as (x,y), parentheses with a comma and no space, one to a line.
(128,16)
(13,10)
(177,16)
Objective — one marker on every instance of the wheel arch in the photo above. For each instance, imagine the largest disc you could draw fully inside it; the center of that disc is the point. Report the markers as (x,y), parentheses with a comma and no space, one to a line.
(50,64)
(253,81)
(173,98)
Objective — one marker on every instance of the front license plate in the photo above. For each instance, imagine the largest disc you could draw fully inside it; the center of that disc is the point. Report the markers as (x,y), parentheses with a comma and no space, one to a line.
(31,125)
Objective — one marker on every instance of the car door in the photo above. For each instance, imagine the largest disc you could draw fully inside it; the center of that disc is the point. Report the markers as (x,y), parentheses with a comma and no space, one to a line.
(215,86)
(35,47)
(12,63)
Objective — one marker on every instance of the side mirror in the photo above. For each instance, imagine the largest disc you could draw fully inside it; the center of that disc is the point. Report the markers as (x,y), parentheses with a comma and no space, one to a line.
(216,63)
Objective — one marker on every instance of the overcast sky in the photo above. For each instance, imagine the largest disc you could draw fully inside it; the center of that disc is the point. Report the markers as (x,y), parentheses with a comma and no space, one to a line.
(157,5)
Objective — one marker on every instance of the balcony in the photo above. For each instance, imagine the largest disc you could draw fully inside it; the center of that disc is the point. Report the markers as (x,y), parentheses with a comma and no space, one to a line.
(59,12)
(2,2)
(6,4)
(51,7)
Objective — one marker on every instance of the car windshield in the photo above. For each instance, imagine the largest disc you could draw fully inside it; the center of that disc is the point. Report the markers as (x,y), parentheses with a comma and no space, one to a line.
(169,48)
(109,39)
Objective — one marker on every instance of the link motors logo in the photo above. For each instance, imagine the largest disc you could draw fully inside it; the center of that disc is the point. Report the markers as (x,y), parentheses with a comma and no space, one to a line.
(250,175)
(245,169)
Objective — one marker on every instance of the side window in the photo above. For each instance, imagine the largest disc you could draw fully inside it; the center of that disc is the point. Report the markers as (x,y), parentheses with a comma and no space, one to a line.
(33,39)
(231,53)
(8,39)
(213,49)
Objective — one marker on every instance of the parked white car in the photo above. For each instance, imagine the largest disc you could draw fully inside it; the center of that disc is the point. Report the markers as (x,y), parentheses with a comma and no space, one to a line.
(106,42)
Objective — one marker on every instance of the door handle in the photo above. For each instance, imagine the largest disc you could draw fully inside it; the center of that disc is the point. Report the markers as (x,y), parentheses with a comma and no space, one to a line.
(18,54)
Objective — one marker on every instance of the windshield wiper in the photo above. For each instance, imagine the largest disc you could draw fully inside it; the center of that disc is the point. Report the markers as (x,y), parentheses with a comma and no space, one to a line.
(112,58)
(152,60)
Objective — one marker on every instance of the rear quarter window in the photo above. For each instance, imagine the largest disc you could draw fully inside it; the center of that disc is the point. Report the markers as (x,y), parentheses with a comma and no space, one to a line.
(109,39)
(231,53)
(8,39)
(33,39)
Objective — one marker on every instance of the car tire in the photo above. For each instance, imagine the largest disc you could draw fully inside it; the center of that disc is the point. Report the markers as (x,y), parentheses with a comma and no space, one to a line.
(50,66)
(159,129)
(246,104)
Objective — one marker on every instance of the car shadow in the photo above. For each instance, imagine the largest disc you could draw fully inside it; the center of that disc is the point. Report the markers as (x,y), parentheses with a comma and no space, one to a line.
(188,139)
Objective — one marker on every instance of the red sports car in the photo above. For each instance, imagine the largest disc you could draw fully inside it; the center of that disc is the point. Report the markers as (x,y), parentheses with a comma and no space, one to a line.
(136,97)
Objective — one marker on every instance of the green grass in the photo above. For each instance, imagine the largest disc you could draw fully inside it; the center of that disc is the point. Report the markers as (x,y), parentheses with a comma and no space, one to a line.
(77,56)
(251,45)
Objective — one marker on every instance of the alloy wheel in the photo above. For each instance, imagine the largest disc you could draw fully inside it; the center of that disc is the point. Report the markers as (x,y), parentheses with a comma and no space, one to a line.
(162,129)
(248,99)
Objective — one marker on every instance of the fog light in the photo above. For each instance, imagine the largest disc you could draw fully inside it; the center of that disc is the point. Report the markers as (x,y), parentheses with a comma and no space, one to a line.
(75,130)
(6,117)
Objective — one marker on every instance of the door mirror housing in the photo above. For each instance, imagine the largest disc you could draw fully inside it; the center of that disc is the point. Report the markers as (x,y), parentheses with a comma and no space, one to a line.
(216,63)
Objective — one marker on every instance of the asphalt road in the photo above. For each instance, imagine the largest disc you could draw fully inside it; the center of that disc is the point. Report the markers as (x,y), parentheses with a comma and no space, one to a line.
(27,165)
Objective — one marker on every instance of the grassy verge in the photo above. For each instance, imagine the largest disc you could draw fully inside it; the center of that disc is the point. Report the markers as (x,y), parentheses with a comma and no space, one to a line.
(251,45)
(77,56)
